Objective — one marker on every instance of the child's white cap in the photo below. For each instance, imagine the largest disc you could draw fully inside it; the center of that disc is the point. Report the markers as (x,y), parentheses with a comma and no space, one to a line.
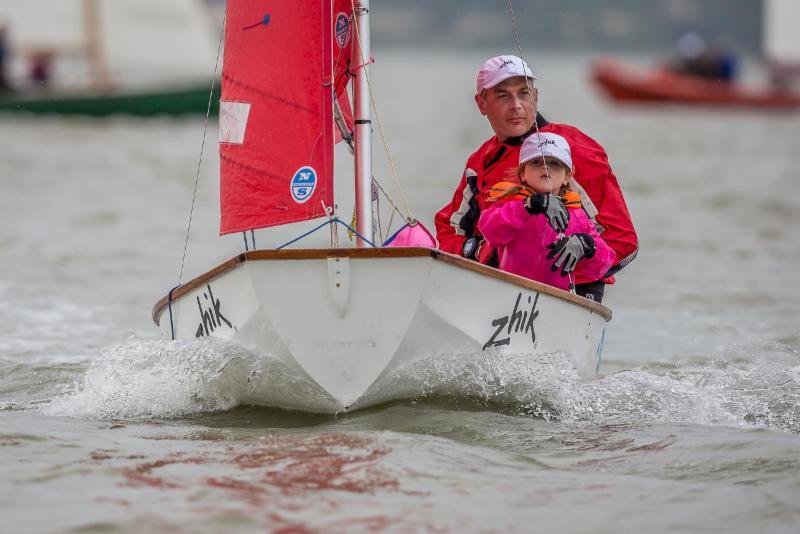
(540,144)
(500,68)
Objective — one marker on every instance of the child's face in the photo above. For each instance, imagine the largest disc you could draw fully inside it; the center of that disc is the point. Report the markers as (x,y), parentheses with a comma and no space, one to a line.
(535,177)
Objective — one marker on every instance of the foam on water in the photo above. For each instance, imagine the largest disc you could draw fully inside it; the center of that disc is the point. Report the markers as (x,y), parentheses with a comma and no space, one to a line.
(161,379)
(758,393)
(153,378)
(165,379)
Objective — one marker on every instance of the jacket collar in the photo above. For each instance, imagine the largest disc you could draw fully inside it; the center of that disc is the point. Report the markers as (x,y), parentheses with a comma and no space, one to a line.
(518,140)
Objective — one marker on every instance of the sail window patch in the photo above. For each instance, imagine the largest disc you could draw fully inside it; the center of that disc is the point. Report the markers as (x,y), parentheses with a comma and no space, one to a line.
(303,184)
(233,121)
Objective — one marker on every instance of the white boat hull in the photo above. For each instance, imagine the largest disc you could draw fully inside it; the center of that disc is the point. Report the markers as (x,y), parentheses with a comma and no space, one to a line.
(343,322)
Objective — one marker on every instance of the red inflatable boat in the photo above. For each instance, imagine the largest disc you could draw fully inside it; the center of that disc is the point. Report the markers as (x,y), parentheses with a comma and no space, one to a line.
(624,83)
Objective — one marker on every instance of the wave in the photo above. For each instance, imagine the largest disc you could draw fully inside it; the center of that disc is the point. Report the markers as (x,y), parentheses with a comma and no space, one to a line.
(167,379)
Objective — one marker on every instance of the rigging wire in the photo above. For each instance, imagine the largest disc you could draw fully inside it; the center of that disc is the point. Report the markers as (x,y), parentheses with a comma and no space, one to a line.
(348,138)
(378,121)
(202,149)
(530,88)
(346,134)
(535,122)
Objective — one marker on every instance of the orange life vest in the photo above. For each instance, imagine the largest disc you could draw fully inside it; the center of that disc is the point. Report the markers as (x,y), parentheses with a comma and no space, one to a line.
(517,191)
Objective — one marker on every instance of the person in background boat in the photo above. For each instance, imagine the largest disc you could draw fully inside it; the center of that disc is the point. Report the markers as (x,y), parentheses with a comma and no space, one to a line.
(4,85)
(506,96)
(516,225)
(41,62)
(695,58)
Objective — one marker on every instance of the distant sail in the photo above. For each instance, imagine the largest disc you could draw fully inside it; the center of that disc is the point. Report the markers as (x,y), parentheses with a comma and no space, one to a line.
(781,38)
(139,42)
(157,40)
(276,113)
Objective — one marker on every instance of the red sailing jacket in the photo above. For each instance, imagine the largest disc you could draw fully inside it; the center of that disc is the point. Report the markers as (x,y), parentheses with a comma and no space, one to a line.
(458,220)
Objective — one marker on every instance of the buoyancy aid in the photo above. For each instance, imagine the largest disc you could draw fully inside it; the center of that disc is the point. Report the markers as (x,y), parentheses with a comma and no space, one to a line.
(517,191)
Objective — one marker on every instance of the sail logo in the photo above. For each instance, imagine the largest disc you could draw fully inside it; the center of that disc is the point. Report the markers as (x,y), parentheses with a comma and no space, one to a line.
(304,182)
(342,29)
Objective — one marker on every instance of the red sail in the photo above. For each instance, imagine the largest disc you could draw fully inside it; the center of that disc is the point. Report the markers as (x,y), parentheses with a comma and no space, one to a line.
(276,113)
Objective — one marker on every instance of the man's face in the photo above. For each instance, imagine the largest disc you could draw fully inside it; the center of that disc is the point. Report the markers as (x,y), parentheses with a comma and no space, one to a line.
(510,106)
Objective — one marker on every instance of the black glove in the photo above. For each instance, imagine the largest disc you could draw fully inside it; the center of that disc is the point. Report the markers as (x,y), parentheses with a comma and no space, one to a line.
(551,207)
(568,250)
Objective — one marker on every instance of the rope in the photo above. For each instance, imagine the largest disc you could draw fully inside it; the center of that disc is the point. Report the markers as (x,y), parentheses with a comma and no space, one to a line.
(169,305)
(330,221)
(535,122)
(530,87)
(378,119)
(202,148)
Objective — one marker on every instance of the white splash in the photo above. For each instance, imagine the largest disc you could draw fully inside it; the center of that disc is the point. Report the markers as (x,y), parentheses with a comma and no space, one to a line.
(156,378)
(163,379)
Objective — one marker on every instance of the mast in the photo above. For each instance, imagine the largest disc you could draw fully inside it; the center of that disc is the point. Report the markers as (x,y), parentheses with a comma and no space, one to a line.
(781,40)
(363,126)
(92,27)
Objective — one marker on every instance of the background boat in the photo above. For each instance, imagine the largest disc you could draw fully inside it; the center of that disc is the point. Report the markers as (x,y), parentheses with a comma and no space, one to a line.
(139,57)
(781,60)
(628,84)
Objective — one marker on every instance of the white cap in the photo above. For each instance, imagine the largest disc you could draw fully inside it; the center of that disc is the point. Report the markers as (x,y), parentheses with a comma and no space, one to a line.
(500,68)
(540,144)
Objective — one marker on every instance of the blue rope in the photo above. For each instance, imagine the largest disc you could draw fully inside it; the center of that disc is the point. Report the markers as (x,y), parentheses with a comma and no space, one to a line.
(394,235)
(169,305)
(326,223)
(244,235)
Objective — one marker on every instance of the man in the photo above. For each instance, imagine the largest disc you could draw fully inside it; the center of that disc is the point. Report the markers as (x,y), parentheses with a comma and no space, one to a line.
(506,96)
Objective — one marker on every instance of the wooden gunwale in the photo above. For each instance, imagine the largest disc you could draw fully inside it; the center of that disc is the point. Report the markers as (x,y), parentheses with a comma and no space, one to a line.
(409,252)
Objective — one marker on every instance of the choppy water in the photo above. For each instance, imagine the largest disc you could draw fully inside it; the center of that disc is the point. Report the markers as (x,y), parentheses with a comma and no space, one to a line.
(693,424)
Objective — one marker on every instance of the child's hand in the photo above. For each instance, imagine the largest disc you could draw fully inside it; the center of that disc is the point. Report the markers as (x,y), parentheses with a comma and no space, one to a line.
(569,250)
(551,207)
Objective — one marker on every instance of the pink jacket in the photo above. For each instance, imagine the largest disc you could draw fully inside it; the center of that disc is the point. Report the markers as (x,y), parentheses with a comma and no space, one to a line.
(522,239)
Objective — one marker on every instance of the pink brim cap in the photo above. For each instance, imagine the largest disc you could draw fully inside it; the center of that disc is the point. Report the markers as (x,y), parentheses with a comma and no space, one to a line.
(500,68)
(542,144)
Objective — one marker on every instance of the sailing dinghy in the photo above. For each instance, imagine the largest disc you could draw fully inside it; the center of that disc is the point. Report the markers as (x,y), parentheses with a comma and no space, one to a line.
(345,324)
(625,83)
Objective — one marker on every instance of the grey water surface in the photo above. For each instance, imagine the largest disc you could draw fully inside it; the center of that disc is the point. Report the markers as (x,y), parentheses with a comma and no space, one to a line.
(692,424)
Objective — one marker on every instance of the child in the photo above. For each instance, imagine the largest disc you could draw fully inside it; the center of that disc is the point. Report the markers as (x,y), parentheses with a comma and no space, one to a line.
(524,221)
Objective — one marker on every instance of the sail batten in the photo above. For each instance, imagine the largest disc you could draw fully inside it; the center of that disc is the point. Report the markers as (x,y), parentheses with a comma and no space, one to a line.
(276,114)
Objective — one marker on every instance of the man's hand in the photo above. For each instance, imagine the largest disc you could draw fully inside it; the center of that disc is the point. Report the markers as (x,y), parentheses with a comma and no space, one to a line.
(551,207)
(568,250)
(470,247)
(476,248)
